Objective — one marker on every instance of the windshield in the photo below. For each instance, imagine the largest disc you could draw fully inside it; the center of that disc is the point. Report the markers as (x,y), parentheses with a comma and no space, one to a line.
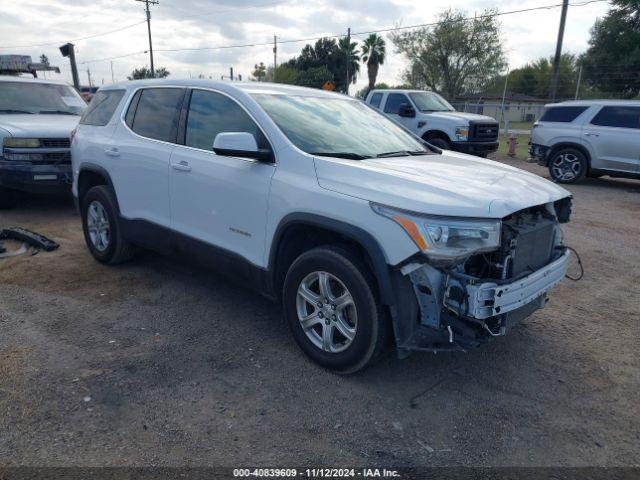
(337,127)
(30,97)
(430,102)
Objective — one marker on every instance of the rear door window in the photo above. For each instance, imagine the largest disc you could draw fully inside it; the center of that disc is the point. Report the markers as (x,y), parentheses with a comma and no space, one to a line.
(101,108)
(157,113)
(211,113)
(618,116)
(375,100)
(394,100)
(562,114)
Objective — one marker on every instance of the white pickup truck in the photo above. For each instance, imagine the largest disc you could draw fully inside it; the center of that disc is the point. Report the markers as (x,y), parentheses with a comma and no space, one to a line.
(433,119)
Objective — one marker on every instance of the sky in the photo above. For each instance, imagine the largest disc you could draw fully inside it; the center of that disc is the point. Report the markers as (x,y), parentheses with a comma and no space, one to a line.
(25,25)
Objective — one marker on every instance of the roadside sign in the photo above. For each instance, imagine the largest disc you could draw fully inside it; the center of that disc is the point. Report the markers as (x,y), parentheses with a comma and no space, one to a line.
(329,85)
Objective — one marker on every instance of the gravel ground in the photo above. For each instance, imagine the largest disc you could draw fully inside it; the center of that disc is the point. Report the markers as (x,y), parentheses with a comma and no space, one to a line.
(158,362)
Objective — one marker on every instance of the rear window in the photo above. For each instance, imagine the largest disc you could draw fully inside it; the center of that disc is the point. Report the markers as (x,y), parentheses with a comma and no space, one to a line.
(157,113)
(375,100)
(101,108)
(623,117)
(562,114)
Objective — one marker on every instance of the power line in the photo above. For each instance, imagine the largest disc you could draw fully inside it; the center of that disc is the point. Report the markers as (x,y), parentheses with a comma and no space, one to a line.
(76,39)
(382,30)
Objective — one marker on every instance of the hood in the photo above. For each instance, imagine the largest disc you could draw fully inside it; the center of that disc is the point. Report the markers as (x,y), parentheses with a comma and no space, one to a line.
(465,117)
(451,184)
(38,126)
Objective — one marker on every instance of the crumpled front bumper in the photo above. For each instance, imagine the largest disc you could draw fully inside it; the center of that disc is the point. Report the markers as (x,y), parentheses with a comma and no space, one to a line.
(443,311)
(490,299)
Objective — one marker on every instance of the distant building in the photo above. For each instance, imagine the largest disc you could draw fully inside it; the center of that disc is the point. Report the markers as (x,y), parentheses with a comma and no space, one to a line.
(517,106)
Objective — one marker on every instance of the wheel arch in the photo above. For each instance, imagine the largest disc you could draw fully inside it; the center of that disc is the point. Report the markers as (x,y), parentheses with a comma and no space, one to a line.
(299,232)
(91,175)
(430,134)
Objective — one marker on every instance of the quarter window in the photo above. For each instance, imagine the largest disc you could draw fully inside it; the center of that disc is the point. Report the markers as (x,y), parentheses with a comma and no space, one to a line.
(375,100)
(623,117)
(101,108)
(562,114)
(394,100)
(212,113)
(157,113)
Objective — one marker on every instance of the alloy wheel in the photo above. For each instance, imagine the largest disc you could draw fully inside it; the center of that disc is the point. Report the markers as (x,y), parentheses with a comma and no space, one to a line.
(566,167)
(98,226)
(327,312)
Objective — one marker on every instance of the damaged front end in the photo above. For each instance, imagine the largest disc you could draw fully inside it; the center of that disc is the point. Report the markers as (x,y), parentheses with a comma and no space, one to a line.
(463,301)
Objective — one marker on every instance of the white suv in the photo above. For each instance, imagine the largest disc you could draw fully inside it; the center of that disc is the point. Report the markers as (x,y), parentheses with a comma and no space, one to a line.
(363,231)
(588,138)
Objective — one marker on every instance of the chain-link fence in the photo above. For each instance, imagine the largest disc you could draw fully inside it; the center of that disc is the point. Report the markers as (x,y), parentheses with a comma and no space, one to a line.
(517,115)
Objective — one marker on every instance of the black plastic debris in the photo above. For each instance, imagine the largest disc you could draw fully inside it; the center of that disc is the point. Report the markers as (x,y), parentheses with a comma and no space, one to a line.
(35,240)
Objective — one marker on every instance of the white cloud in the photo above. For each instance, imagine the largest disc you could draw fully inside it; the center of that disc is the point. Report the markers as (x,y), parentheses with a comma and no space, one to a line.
(206,23)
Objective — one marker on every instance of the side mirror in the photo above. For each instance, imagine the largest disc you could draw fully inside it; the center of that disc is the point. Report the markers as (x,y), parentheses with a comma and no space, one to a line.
(406,110)
(240,144)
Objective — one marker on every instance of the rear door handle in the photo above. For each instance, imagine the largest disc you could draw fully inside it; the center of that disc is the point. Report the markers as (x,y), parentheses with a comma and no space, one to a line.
(112,152)
(182,166)
(591,134)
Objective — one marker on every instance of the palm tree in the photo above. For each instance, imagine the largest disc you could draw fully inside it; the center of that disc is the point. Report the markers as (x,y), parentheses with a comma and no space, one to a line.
(350,51)
(373,54)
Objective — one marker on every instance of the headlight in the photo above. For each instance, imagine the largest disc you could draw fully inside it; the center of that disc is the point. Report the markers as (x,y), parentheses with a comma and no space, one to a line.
(462,134)
(446,238)
(22,142)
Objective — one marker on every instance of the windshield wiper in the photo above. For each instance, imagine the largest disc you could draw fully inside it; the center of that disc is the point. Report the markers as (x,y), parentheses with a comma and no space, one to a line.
(11,110)
(57,112)
(348,155)
(403,153)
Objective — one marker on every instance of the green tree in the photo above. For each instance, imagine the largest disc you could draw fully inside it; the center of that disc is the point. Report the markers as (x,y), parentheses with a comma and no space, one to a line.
(362,93)
(349,51)
(612,62)
(285,73)
(145,72)
(455,56)
(259,71)
(44,59)
(374,50)
(315,60)
(533,79)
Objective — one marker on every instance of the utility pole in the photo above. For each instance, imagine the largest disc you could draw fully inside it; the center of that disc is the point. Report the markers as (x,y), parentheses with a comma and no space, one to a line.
(504,96)
(147,2)
(348,56)
(275,57)
(113,78)
(231,73)
(556,61)
(89,77)
(579,80)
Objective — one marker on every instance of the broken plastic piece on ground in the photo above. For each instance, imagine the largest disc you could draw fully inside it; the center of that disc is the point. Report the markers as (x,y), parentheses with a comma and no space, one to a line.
(31,238)
(14,253)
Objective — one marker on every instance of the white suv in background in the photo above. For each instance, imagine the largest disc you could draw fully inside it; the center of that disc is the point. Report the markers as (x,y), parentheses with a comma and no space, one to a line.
(588,138)
(365,233)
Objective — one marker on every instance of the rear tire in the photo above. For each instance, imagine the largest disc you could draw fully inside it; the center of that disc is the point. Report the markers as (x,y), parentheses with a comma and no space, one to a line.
(568,165)
(101,226)
(340,326)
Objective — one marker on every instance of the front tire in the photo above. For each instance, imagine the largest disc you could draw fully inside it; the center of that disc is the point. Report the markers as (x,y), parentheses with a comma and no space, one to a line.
(101,226)
(441,143)
(568,165)
(331,309)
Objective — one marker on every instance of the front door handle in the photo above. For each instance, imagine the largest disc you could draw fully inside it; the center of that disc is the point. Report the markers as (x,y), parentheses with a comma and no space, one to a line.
(112,152)
(182,166)
(591,134)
